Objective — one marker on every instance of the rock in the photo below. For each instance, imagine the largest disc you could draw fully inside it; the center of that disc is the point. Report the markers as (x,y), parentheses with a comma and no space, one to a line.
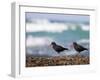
(55,61)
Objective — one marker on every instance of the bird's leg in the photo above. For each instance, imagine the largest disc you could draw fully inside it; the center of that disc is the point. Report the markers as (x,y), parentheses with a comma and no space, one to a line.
(78,54)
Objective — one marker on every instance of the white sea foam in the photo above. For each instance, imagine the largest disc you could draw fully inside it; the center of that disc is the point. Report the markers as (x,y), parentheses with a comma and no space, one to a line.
(84,27)
(47,26)
(37,41)
(44,25)
(83,41)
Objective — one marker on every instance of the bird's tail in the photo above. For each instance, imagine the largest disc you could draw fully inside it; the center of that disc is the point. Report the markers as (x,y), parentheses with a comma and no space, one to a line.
(86,49)
(66,49)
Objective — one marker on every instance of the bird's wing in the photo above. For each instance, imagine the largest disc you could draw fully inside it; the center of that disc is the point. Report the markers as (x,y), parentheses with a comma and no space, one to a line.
(81,47)
(58,47)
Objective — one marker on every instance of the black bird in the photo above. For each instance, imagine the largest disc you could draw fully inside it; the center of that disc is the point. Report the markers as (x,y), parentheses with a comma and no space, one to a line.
(78,47)
(58,48)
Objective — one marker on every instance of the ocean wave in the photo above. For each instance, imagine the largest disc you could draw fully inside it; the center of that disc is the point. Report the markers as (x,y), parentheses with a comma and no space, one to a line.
(45,25)
(39,46)
(83,41)
(48,26)
(37,41)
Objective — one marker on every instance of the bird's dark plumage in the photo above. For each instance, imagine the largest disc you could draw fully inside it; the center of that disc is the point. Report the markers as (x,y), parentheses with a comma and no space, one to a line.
(58,48)
(78,47)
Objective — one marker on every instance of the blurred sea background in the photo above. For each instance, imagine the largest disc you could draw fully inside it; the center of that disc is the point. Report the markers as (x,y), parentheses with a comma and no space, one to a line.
(43,28)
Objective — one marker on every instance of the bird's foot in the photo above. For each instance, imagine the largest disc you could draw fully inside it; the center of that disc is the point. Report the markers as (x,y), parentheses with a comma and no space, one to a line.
(78,54)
